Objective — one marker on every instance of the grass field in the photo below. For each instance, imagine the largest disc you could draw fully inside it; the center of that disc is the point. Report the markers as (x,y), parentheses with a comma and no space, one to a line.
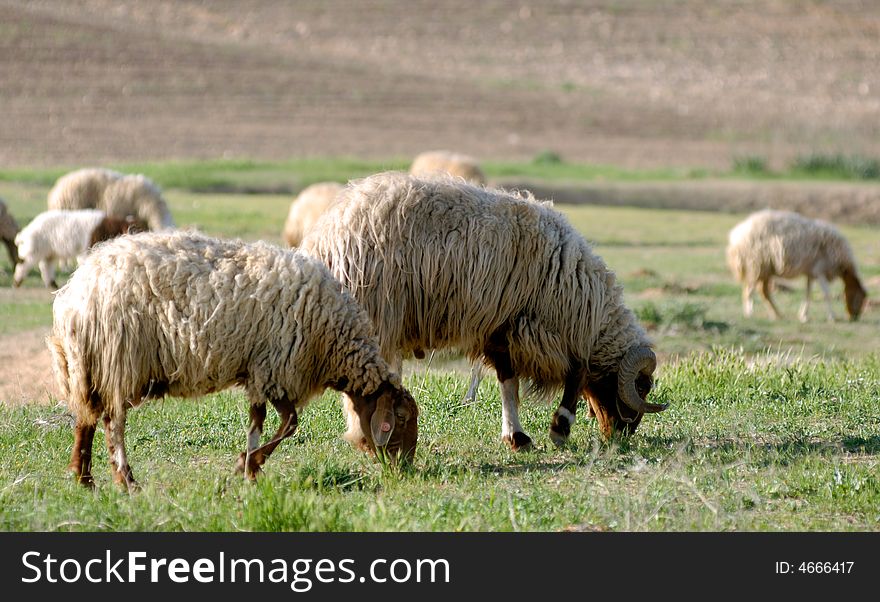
(771,425)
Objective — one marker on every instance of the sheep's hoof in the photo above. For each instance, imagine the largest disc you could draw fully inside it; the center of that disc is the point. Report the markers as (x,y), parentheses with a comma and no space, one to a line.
(558,439)
(250,470)
(560,429)
(86,480)
(519,441)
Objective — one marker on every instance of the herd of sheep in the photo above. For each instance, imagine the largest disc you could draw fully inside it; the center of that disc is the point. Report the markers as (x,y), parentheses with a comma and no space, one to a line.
(385,268)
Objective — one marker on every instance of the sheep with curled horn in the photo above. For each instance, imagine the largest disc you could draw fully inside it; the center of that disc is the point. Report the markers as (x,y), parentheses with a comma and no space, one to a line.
(183,314)
(439,263)
(770,244)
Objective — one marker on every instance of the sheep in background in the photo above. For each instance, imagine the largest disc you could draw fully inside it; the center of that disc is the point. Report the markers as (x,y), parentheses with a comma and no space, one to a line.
(8,230)
(55,236)
(118,194)
(182,314)
(439,263)
(82,189)
(306,208)
(770,244)
(445,162)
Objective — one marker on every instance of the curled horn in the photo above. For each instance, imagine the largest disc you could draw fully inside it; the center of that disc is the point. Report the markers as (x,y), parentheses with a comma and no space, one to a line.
(382,421)
(638,360)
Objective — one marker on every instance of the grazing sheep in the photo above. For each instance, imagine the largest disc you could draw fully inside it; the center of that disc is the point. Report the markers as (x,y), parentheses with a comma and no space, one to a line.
(306,208)
(55,236)
(182,314)
(445,162)
(441,263)
(770,244)
(8,230)
(118,194)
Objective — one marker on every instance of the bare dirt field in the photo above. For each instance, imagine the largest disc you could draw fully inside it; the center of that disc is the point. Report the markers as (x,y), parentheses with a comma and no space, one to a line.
(632,83)
(27,368)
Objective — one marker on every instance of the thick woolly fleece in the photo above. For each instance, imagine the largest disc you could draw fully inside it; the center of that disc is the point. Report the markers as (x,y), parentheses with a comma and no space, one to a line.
(184,314)
(440,263)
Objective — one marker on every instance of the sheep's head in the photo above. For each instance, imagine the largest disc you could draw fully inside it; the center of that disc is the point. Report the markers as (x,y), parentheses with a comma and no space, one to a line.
(619,400)
(855,295)
(389,421)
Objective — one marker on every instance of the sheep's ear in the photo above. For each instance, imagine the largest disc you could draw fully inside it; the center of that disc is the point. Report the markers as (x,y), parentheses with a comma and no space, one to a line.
(382,421)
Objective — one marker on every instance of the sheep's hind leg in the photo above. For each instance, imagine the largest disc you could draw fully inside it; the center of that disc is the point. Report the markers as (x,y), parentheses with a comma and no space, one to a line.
(803,314)
(560,426)
(748,306)
(81,456)
(474,387)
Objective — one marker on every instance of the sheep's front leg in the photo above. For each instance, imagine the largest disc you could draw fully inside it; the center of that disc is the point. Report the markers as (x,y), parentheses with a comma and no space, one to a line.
(287,413)
(826,291)
(81,456)
(47,271)
(511,431)
(255,431)
(255,458)
(123,474)
(560,426)
(803,314)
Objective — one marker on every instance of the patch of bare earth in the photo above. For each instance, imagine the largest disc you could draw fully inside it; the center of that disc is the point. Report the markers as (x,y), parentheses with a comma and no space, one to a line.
(26,375)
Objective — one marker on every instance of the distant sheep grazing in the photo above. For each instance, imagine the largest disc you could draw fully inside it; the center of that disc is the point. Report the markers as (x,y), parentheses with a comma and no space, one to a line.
(439,263)
(55,236)
(118,194)
(770,244)
(182,314)
(8,230)
(306,208)
(457,165)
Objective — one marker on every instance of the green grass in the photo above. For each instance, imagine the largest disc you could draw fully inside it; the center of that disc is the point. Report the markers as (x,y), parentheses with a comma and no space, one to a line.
(748,443)
(290,176)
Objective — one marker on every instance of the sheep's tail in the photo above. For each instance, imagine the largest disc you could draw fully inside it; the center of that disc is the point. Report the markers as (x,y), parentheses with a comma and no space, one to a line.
(73,385)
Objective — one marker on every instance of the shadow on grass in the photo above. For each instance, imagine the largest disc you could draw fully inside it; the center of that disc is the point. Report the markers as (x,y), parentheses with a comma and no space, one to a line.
(778,453)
